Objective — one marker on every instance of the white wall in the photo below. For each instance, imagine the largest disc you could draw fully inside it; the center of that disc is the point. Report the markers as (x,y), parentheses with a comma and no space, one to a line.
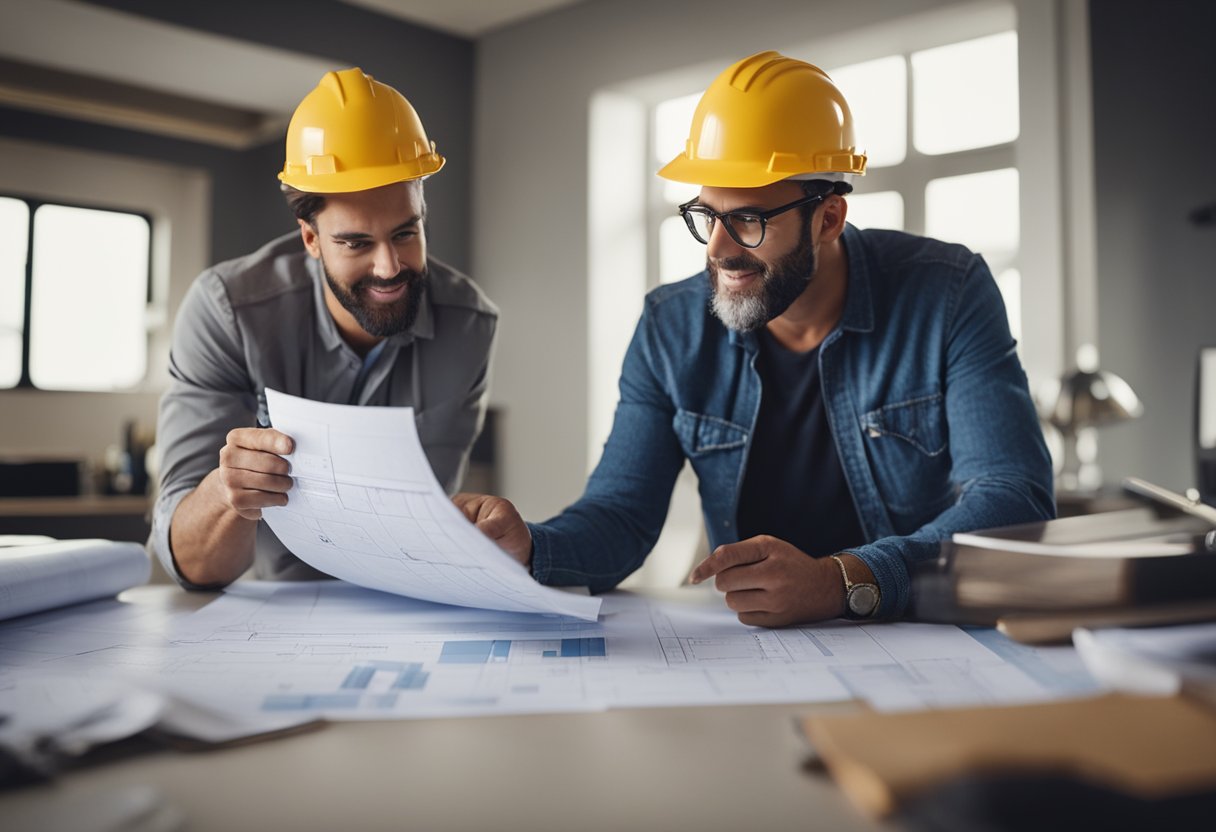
(178,200)
(533,86)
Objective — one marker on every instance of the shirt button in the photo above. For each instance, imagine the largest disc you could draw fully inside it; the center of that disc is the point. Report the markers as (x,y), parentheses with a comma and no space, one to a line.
(726,524)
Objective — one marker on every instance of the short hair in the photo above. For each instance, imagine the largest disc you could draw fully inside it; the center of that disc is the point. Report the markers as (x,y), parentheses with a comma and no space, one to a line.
(304,205)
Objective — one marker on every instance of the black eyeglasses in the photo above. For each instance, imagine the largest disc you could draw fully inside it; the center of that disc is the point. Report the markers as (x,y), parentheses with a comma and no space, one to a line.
(744,227)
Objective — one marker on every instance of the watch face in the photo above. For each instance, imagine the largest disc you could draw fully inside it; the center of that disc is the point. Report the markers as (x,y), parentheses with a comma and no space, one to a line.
(863,599)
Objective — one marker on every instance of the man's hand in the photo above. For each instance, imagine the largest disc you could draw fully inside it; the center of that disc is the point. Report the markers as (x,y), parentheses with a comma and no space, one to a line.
(252,474)
(770,583)
(498,520)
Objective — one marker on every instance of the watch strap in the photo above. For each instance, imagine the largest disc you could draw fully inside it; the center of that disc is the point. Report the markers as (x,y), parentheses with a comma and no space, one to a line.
(856,594)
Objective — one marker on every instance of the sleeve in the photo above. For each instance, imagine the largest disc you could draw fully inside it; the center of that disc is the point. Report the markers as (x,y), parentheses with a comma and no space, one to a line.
(1000,464)
(209,394)
(603,537)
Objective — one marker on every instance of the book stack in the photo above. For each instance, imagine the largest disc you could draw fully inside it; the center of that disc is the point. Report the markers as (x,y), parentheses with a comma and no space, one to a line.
(1132,566)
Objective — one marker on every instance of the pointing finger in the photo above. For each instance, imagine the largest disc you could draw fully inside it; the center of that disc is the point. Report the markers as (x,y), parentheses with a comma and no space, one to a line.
(729,556)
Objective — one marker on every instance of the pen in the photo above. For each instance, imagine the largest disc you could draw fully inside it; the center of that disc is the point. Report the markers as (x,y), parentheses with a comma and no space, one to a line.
(1189,504)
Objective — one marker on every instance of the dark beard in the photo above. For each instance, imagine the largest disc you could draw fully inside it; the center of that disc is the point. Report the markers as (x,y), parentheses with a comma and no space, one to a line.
(781,284)
(379,319)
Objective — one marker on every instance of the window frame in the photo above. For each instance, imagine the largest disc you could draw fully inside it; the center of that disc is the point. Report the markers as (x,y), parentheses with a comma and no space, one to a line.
(33,203)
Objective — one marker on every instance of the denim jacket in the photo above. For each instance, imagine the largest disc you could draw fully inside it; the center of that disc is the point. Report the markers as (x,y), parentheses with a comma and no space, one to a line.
(925,395)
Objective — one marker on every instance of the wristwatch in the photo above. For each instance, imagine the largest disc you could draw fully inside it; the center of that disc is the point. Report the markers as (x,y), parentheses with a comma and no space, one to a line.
(860,600)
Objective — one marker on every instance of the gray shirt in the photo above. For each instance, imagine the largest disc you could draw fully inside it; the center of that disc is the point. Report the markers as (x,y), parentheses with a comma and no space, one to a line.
(260,321)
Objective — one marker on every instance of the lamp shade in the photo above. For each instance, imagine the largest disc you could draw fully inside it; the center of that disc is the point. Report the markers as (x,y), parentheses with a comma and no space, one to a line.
(1090,399)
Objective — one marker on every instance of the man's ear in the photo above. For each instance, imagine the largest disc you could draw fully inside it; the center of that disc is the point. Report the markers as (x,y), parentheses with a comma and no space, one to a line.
(831,223)
(308,233)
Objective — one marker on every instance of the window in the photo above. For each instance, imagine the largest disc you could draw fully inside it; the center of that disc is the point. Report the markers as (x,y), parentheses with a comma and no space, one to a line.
(941,149)
(74,290)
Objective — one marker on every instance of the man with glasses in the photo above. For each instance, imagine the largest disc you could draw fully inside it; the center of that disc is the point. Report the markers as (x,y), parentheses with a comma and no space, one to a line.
(848,399)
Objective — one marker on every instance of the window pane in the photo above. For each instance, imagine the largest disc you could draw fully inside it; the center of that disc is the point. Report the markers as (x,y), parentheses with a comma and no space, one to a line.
(14,241)
(965,95)
(979,210)
(877,92)
(680,256)
(89,292)
(672,118)
(881,209)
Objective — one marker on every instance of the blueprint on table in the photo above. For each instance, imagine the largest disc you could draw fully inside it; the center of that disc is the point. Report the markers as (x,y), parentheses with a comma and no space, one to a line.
(366,507)
(331,649)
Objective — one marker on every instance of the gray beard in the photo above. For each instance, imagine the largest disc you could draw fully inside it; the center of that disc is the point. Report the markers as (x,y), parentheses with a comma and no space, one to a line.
(781,284)
(742,313)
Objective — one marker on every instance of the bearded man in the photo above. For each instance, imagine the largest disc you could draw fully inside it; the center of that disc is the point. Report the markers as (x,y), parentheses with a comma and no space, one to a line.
(848,399)
(347,309)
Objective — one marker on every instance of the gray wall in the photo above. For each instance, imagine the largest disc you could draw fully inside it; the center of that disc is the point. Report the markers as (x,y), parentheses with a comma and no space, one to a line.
(1154,72)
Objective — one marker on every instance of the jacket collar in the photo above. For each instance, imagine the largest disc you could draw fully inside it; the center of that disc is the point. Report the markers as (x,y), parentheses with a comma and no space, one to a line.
(859,300)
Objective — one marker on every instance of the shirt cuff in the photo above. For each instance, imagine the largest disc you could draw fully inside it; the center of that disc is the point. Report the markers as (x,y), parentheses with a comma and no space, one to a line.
(542,556)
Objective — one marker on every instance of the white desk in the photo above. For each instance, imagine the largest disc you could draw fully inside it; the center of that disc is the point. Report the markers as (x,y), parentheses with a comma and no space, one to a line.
(721,768)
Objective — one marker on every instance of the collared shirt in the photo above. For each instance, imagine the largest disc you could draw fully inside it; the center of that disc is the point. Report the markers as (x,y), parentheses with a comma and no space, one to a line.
(261,321)
(926,399)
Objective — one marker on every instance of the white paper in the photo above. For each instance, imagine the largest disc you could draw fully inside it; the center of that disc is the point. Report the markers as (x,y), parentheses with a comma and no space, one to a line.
(1151,660)
(366,507)
(48,575)
(85,675)
(332,650)
(72,714)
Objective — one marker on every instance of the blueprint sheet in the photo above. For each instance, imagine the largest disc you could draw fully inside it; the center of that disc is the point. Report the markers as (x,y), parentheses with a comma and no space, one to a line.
(366,507)
(330,649)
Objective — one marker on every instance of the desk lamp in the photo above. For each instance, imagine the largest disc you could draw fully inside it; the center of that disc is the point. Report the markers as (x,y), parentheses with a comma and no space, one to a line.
(1079,402)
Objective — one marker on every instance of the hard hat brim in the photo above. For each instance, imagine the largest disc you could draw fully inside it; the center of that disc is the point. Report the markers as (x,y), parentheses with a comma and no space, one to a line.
(364,179)
(714,173)
(718,174)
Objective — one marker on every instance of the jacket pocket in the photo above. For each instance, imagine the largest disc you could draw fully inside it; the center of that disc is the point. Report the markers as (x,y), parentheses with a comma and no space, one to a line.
(907,443)
(700,434)
(921,422)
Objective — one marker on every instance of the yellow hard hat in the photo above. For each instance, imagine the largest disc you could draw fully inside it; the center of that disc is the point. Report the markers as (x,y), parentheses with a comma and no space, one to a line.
(765,119)
(353,133)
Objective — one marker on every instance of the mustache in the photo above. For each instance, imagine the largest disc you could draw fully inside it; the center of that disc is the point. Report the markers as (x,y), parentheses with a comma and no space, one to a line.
(403,276)
(740,262)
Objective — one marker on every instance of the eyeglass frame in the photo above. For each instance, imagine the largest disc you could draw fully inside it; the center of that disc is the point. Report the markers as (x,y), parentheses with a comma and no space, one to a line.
(691,207)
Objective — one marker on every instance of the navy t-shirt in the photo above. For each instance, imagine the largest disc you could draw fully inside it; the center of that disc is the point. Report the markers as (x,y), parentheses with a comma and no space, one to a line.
(794,487)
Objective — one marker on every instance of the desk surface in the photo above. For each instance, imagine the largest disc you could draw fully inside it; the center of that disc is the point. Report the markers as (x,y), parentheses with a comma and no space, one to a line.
(704,768)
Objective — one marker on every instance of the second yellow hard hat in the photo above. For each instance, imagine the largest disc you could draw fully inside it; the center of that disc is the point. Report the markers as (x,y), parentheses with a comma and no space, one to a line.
(354,133)
(764,119)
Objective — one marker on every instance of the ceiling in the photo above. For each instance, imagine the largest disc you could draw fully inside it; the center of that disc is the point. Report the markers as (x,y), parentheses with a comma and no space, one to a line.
(91,62)
(468,18)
